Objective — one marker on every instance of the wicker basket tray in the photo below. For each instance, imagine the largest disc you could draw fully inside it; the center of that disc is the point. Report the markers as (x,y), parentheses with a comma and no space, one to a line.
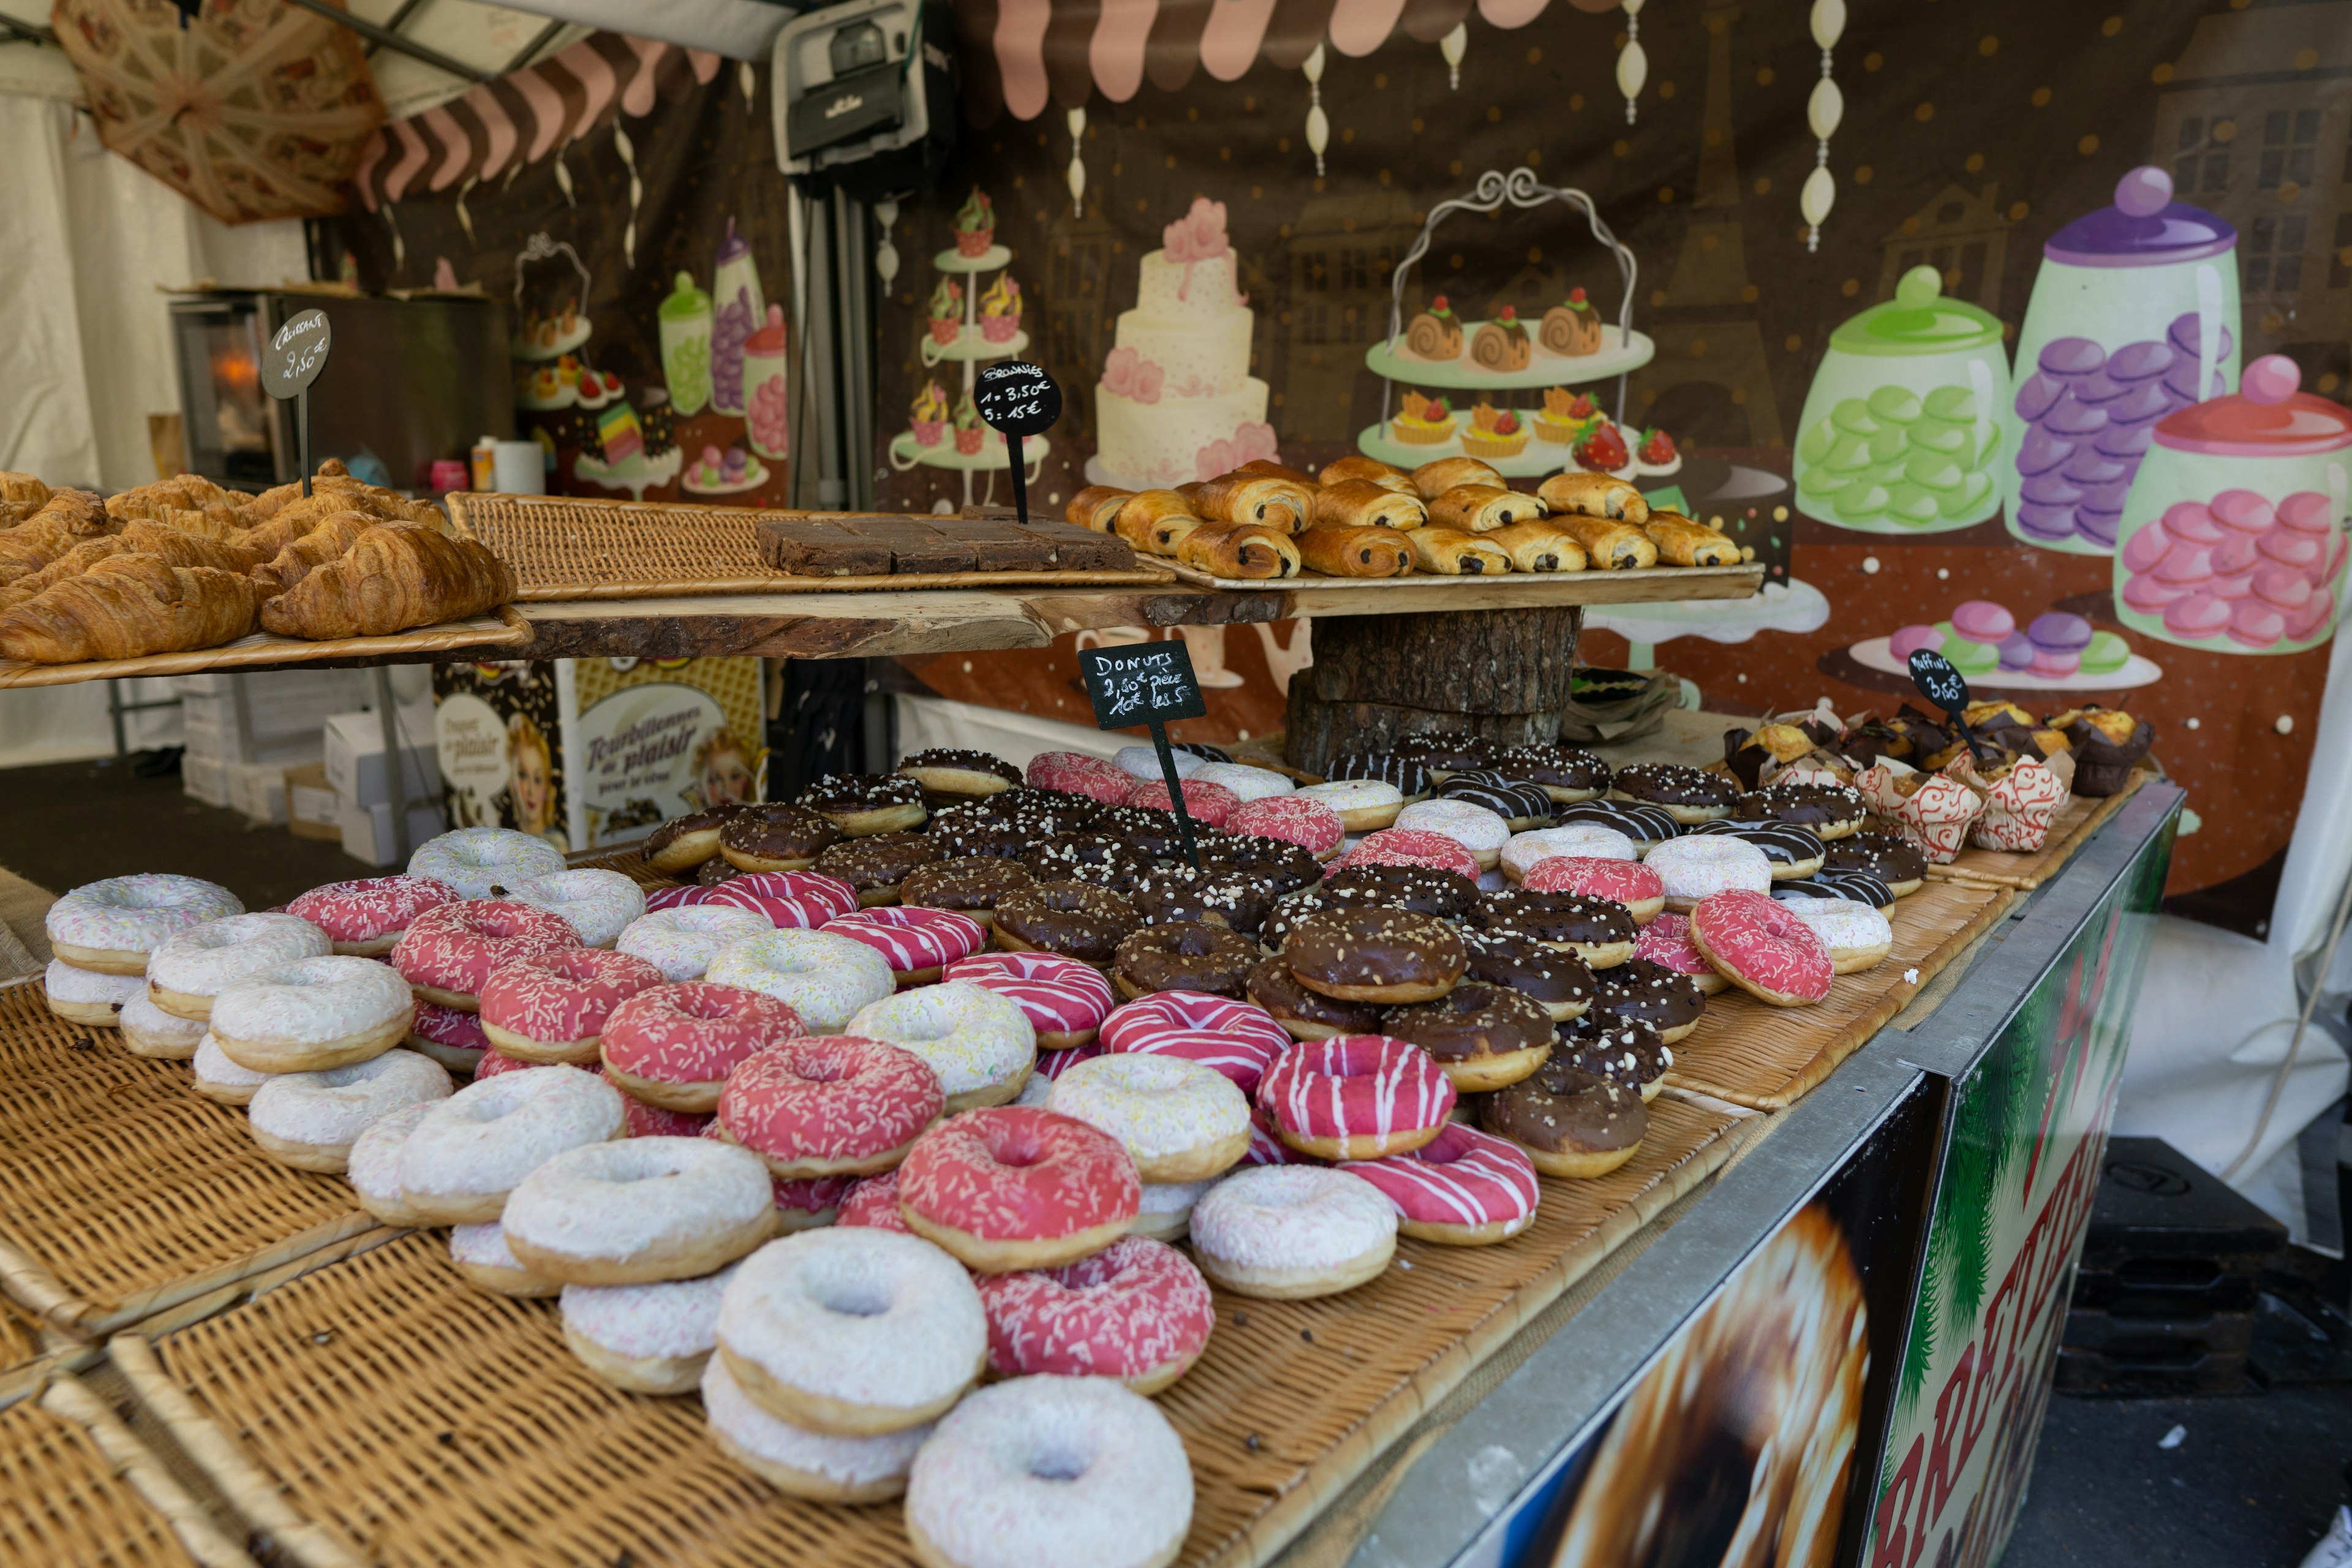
(505,629)
(2077,821)
(355,1414)
(77,1488)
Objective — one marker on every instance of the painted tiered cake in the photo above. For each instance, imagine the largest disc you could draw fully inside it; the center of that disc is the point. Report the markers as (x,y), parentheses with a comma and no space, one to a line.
(1177,402)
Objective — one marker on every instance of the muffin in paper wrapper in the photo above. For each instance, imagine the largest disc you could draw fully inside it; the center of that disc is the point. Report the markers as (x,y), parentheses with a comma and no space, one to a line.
(1932,810)
(2019,805)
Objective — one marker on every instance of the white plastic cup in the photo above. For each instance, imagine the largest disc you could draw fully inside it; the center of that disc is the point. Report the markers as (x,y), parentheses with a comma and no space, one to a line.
(520,468)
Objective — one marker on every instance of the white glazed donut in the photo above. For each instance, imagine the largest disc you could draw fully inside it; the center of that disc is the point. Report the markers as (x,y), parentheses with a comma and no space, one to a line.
(853,1331)
(219,1079)
(1476,829)
(1166,1214)
(474,860)
(186,973)
(682,941)
(599,905)
(113,925)
(1245,782)
(149,1031)
(981,1045)
(1143,763)
(479,1144)
(373,1165)
(648,1339)
(640,1210)
(1699,864)
(310,1119)
(1365,806)
(1181,1121)
(824,979)
(321,1013)
(1051,1472)
(1289,1232)
(797,1462)
(481,1255)
(88,995)
(1586,840)
(1858,936)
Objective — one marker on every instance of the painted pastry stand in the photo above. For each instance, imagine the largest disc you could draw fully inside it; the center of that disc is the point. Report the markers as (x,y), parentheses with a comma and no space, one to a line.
(970,349)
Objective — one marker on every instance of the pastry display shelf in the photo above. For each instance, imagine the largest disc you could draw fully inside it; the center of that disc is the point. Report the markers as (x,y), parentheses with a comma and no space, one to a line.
(994,258)
(1536,460)
(1622,351)
(972,344)
(905,453)
(555,348)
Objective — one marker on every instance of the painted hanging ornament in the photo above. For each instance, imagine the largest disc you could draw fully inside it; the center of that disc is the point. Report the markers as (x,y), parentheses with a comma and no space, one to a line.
(1318,125)
(1823,110)
(1454,45)
(1077,176)
(1632,62)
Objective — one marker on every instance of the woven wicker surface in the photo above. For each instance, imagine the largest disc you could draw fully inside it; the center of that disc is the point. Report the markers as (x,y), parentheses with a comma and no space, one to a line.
(503,628)
(122,1193)
(373,1398)
(1768,1057)
(2077,821)
(63,1500)
(565,548)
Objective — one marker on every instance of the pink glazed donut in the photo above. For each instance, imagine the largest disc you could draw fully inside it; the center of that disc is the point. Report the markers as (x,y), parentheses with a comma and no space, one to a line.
(1240,1039)
(833,1105)
(449,1037)
(367,917)
(1628,882)
(673,1045)
(1065,1001)
(449,951)
(1411,847)
(1309,824)
(1011,1187)
(1075,773)
(1760,947)
(1356,1097)
(916,943)
(643,1120)
(788,898)
(552,1006)
(1462,1188)
(1138,1311)
(873,1201)
(1666,943)
(1213,804)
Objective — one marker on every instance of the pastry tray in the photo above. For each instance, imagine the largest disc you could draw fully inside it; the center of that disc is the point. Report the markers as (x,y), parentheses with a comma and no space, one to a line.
(503,628)
(1646,584)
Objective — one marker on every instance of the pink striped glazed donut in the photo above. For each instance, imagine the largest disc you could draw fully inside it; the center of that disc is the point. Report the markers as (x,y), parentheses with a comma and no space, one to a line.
(1240,1039)
(1356,1097)
(367,917)
(1411,847)
(873,1201)
(1629,882)
(1054,1064)
(1666,943)
(673,1045)
(449,1037)
(1065,1000)
(449,951)
(1138,1311)
(831,1105)
(1309,824)
(1462,1188)
(917,942)
(812,1203)
(552,1006)
(1204,802)
(1075,773)
(1012,1187)
(1762,948)
(1266,1148)
(787,898)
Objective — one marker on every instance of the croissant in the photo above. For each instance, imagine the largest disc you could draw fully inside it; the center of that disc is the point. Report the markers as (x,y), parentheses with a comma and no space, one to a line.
(347,494)
(1593,495)
(127,606)
(1356,465)
(64,520)
(72,564)
(1155,521)
(1360,503)
(321,544)
(391,579)
(1477,508)
(22,487)
(1250,551)
(1608,544)
(1252,498)
(139,537)
(1097,507)
(1682,541)
(1451,552)
(1435,478)
(1538,544)
(188,492)
(1273,471)
(1344,552)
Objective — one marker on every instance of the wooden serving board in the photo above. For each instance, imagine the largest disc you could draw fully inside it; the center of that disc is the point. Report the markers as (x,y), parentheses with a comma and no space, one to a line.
(504,629)
(1518,589)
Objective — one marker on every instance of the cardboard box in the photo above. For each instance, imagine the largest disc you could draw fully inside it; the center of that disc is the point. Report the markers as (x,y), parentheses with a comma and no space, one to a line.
(354,748)
(312,808)
(205,779)
(258,789)
(367,830)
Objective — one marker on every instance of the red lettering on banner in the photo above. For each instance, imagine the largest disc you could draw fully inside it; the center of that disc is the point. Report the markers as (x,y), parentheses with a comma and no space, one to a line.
(1941,1468)
(1894,1512)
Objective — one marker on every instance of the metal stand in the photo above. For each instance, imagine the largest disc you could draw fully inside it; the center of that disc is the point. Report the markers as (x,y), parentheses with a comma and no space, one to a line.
(116,708)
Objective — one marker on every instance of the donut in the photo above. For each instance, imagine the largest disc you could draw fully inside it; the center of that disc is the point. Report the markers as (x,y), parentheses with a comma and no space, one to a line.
(461,1163)
(494,1062)
(1192,1011)
(775,838)
(1566,774)
(112,926)
(599,905)
(952,771)
(149,1031)
(1571,1122)
(1647,993)
(861,804)
(638,1210)
(1480,831)
(1179,1120)
(1013,1187)
(1640,823)
(1832,811)
(1481,1037)
(1073,918)
(819,1465)
(1521,805)
(373,1163)
(1075,773)
(1636,886)
(479,862)
(1410,847)
(715,870)
(1238,1055)
(873,867)
(1696,866)
(853,1331)
(1306,1014)
(684,941)
(1423,889)
(1143,761)
(970,884)
(1355,1097)
(449,951)
(1315,826)
(972,833)
(481,1255)
(1462,1188)
(1138,1310)
(641,1120)
(365,919)
(1584,840)
(552,1006)
(219,1080)
(1065,1001)
(833,1105)
(809,1204)
(1599,931)
(1375,955)
(1363,805)
(1558,982)
(1184,956)
(1445,752)
(1793,850)
(874,1201)
(646,1339)
(980,1045)
(1291,1232)
(1856,936)
(449,1037)
(1862,886)
(1626,1051)
(916,943)
(1201,749)
(310,1119)
(1102,858)
(1685,794)
(1247,784)
(1756,944)
(1209,803)
(90,996)
(1409,776)
(188,970)
(1891,857)
(1665,942)
(1152,833)
(823,977)
(1165,1212)
(1230,898)
(683,843)
(321,1013)
(1282,865)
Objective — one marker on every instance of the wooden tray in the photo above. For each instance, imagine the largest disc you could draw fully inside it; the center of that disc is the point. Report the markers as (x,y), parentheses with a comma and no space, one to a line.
(567,549)
(77,1488)
(2077,821)
(1643,585)
(504,627)
(1767,1058)
(355,1414)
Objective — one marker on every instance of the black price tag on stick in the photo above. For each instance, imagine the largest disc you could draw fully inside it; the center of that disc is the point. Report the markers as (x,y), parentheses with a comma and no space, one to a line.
(1150,684)
(297,353)
(1940,683)
(1019,400)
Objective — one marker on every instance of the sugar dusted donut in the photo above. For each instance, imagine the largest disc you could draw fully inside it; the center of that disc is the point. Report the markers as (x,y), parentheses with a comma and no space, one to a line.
(1413,847)
(853,1331)
(112,926)
(373,1163)
(1013,1188)
(1638,886)
(449,1037)
(481,1255)
(1165,1212)
(310,1119)
(1665,942)
(1356,1097)
(308,1016)
(637,1210)
(823,977)
(1696,866)
(1312,825)
(599,905)
(1138,1310)
(673,1045)
(1179,1120)
(1363,805)
(449,951)
(785,898)
(149,1031)
(653,1337)
(1375,955)
(1245,783)
(90,996)
(1584,840)
(981,1046)
(480,861)
(219,1080)
(365,918)
(1571,1122)
(1076,919)
(188,972)
(1481,1037)
(1856,936)
(462,1161)
(1291,1232)
(916,943)
(829,1107)
(552,1006)
(1755,941)
(1075,773)
(1462,1188)
(683,843)
(799,1463)
(1203,803)
(1067,1001)
(683,940)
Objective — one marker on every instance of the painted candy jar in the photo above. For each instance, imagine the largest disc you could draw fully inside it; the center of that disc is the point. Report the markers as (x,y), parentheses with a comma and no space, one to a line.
(2233,536)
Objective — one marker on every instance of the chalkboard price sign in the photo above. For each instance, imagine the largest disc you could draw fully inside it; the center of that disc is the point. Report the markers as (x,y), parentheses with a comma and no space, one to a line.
(1938,682)
(1019,400)
(1150,684)
(297,353)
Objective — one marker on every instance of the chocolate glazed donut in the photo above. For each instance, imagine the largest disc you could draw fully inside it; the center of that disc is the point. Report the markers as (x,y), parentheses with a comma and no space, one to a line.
(1482,1036)
(1831,811)
(1105,860)
(1150,834)
(1626,1051)
(1599,931)
(1184,955)
(862,804)
(717,869)
(1288,866)
(685,841)
(1076,919)
(1645,993)
(1794,851)
(1423,889)
(971,886)
(1559,982)
(1171,895)
(1892,858)
(775,838)
(1375,955)
(876,865)
(950,773)
(1308,1015)
(1567,774)
(1410,775)
(1571,1122)
(1688,795)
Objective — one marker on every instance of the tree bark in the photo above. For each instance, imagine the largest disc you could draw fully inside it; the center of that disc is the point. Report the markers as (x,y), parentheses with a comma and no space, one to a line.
(1501,674)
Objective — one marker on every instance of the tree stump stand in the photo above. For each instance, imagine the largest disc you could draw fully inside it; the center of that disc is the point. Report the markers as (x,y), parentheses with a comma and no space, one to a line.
(1501,674)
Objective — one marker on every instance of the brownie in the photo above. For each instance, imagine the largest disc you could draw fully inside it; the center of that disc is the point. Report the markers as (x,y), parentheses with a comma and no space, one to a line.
(999,545)
(915,546)
(820,547)
(1083,550)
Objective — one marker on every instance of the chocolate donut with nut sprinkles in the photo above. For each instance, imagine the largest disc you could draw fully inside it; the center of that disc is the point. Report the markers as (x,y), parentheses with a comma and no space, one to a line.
(1423,889)
(1599,931)
(775,838)
(1185,955)
(1306,1015)
(876,865)
(1105,859)
(1076,920)
(1649,993)
(1235,900)
(1561,984)
(1483,1036)
(685,841)
(954,772)
(1626,1051)
(1689,795)
(970,886)
(1571,1122)
(1376,955)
